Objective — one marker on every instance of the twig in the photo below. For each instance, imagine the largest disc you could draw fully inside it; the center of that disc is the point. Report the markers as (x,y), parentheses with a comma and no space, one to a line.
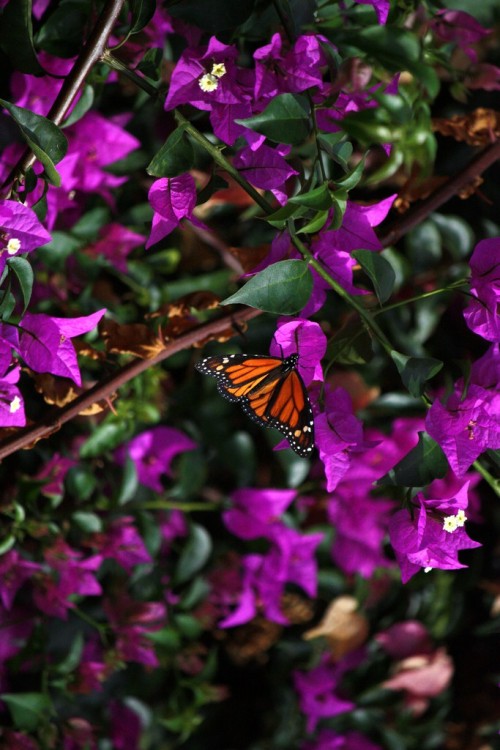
(421,210)
(55,418)
(89,56)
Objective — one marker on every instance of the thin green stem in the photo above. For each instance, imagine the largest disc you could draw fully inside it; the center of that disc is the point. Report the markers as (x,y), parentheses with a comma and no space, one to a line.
(113,62)
(352,301)
(418,297)
(219,158)
(489,478)
(178,505)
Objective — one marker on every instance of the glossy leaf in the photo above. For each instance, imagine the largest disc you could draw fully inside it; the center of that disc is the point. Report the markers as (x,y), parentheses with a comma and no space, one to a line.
(82,106)
(43,137)
(319,198)
(175,156)
(424,463)
(104,438)
(394,48)
(28,710)
(142,13)
(24,274)
(16,37)
(194,555)
(416,371)
(284,120)
(283,289)
(379,271)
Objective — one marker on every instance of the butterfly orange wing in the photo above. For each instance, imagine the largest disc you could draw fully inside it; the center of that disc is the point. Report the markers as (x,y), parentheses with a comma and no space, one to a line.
(271,393)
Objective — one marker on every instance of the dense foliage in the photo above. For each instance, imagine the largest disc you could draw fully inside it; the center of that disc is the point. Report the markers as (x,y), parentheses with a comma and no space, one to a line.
(306,179)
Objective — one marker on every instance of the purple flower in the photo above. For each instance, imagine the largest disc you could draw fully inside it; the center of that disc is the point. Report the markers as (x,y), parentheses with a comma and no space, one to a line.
(317,689)
(466,426)
(172,199)
(11,400)
(152,452)
(327,739)
(115,243)
(126,728)
(459,27)
(481,314)
(298,69)
(302,337)
(266,168)
(16,625)
(53,474)
(67,575)
(132,621)
(45,342)
(205,75)
(338,433)
(14,571)
(256,513)
(432,536)
(381,7)
(37,93)
(20,231)
(123,543)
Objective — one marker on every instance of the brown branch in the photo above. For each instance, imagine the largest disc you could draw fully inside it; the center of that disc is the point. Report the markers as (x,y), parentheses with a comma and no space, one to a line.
(56,417)
(88,57)
(421,210)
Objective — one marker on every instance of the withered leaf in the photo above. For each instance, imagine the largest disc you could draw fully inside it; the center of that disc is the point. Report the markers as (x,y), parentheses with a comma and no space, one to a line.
(131,338)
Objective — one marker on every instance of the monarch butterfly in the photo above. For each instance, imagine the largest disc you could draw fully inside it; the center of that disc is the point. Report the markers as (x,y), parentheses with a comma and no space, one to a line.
(270,391)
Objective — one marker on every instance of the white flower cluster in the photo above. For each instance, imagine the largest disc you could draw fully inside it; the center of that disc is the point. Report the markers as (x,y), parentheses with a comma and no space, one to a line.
(210,81)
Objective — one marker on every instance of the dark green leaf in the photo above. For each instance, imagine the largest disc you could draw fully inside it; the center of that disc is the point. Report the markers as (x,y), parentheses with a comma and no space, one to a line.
(81,482)
(456,234)
(284,120)
(28,710)
(142,13)
(315,224)
(394,48)
(63,33)
(280,217)
(194,555)
(129,483)
(16,37)
(424,463)
(175,156)
(319,198)
(351,345)
(7,304)
(150,65)
(43,137)
(90,523)
(215,16)
(73,657)
(379,271)
(416,371)
(82,106)
(106,437)
(424,246)
(351,179)
(284,288)
(24,273)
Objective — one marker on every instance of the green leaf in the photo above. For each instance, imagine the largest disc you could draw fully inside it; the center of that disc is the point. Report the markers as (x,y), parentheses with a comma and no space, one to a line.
(43,137)
(142,13)
(416,371)
(175,156)
(106,437)
(319,198)
(284,120)
(351,179)
(394,48)
(81,482)
(317,222)
(280,217)
(150,65)
(130,482)
(456,233)
(423,245)
(16,37)
(63,32)
(24,273)
(284,288)
(336,147)
(28,710)
(82,106)
(73,657)
(351,345)
(194,555)
(424,463)
(379,271)
(90,523)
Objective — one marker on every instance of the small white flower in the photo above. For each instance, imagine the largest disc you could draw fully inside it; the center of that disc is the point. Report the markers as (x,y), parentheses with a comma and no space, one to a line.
(208,82)
(450,523)
(461,518)
(13,246)
(428,569)
(15,404)
(218,70)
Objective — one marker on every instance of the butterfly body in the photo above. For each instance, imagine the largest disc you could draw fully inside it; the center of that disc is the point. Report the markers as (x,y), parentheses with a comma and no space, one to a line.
(270,391)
